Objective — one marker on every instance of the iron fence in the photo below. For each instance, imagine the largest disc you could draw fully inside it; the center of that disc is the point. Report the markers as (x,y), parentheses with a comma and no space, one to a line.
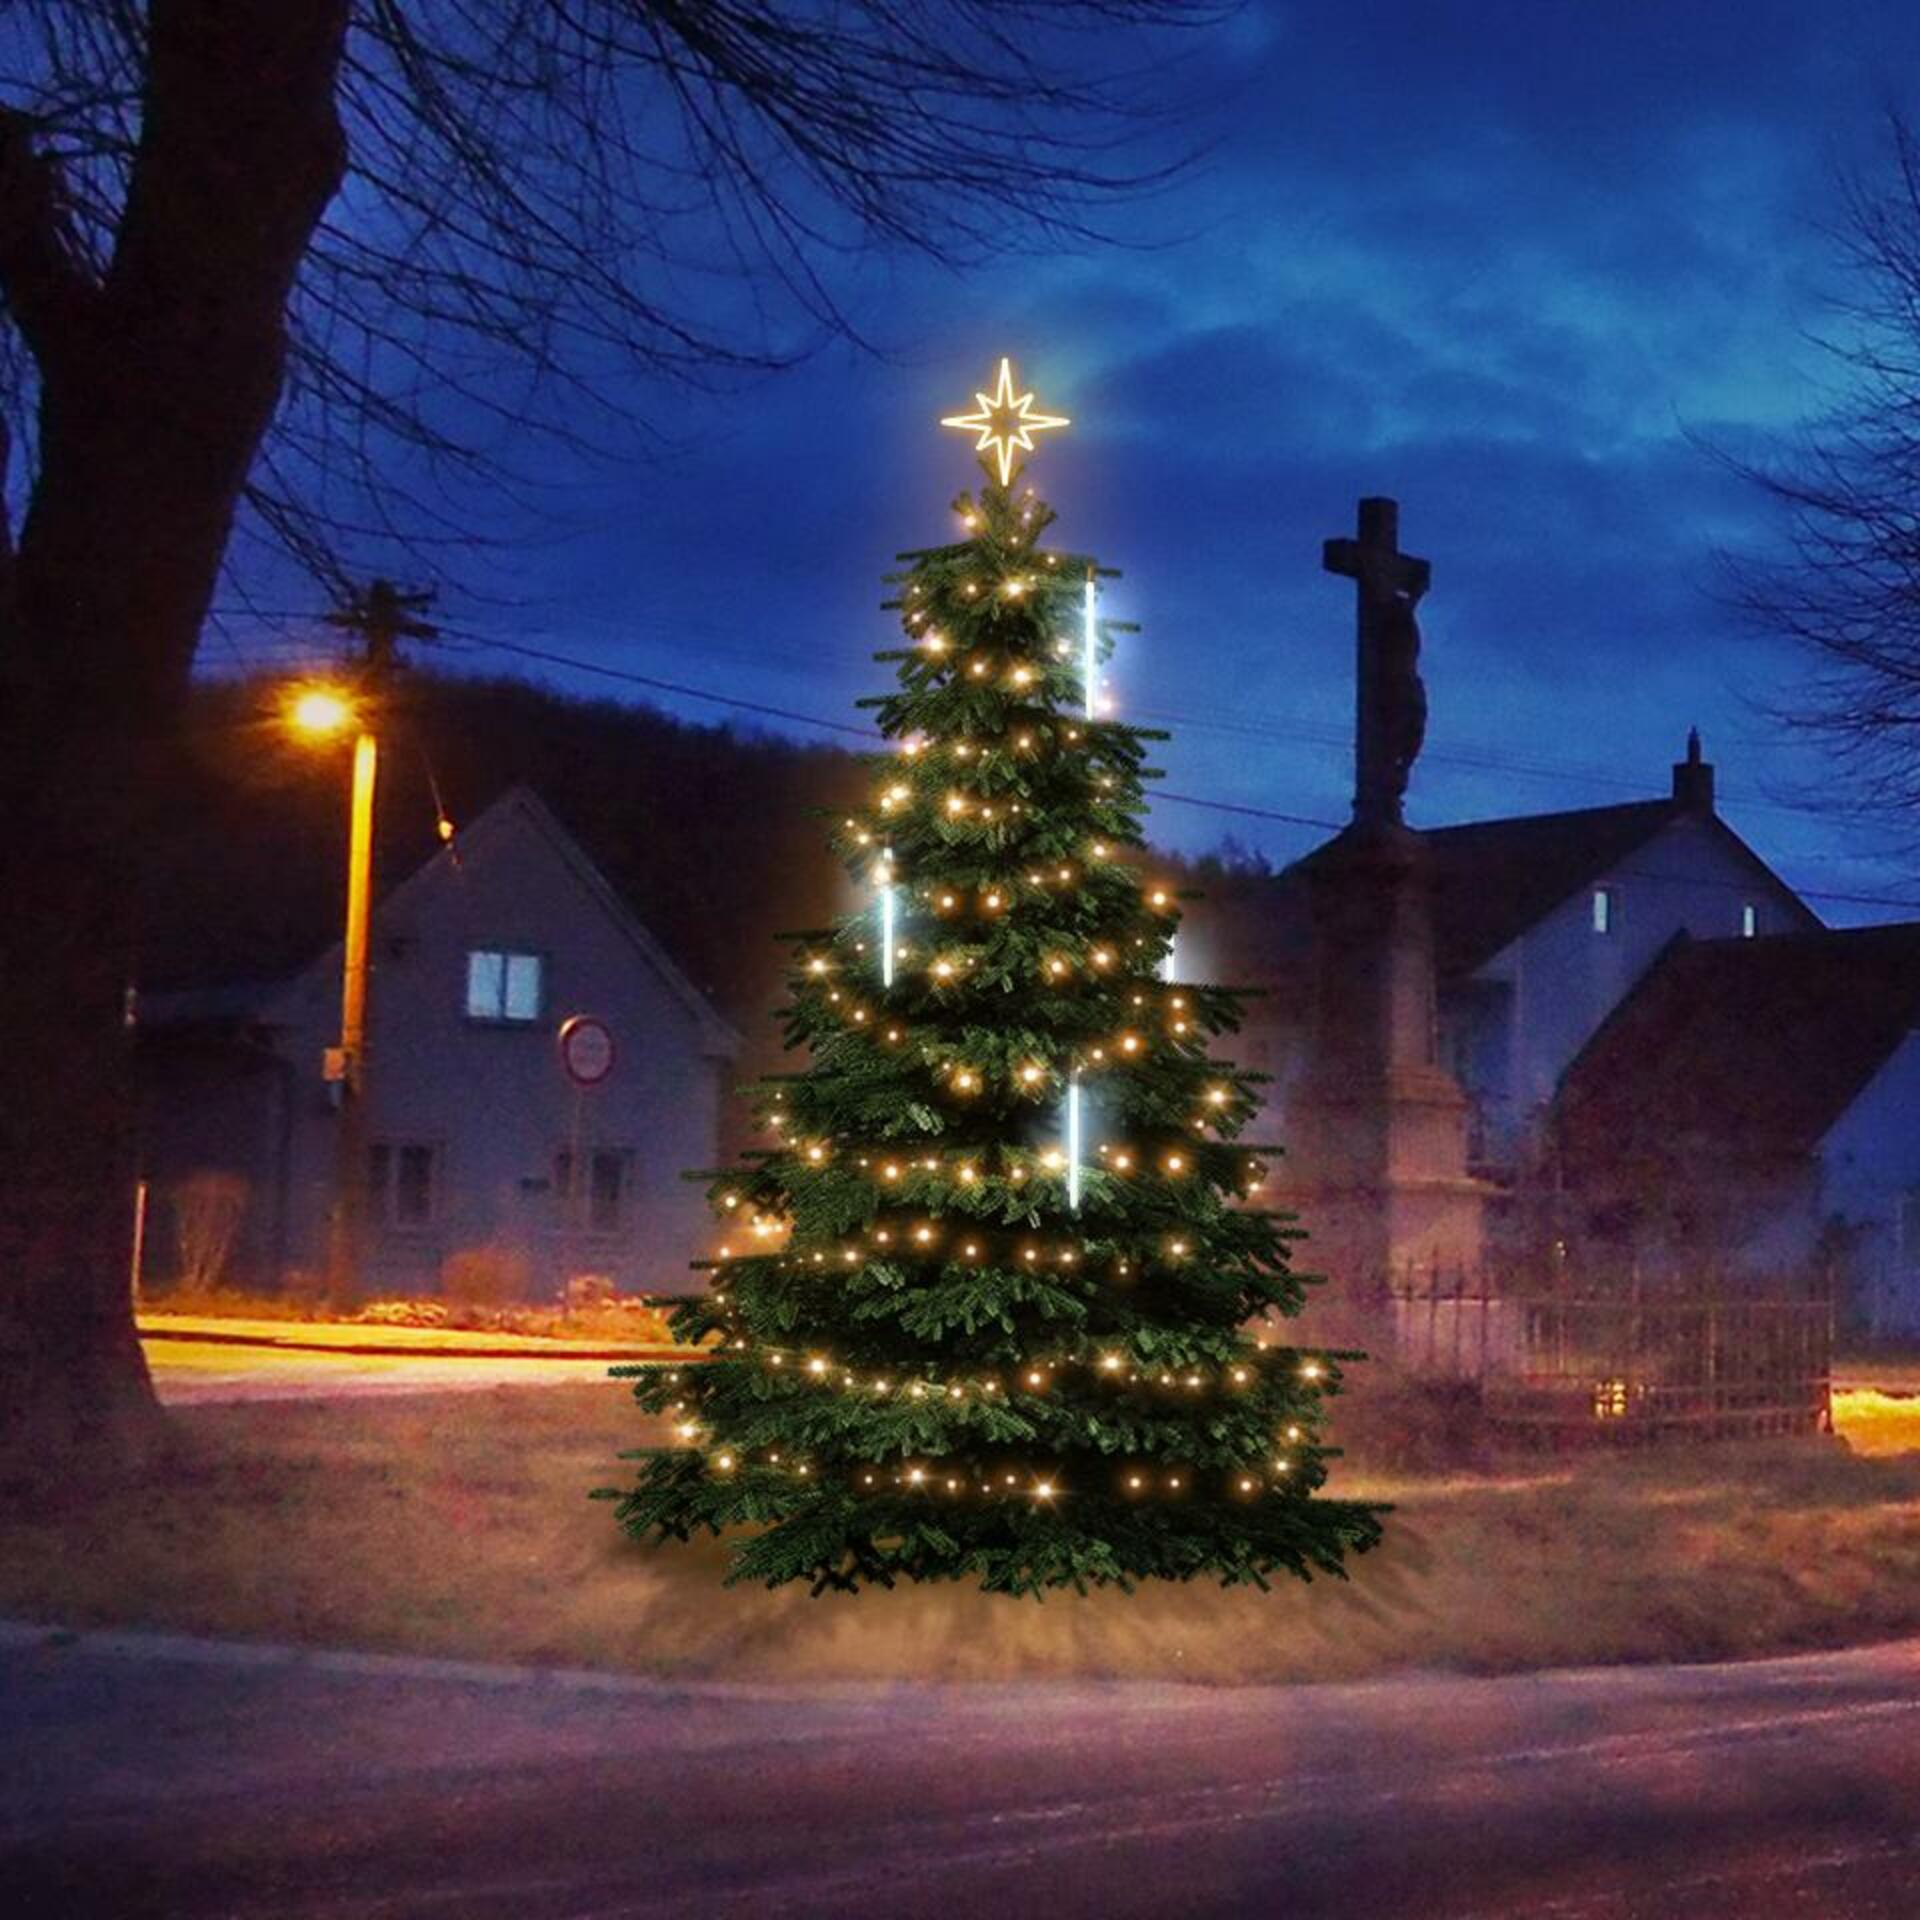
(1624,1360)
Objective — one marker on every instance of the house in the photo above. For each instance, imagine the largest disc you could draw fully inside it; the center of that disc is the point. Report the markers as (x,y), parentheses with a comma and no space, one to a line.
(1544,923)
(1666,1055)
(1750,1100)
(481,1145)
(1541,925)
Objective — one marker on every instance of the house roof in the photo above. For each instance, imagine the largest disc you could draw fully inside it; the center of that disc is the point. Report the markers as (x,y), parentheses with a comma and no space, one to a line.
(520,802)
(254,1002)
(1493,879)
(1758,1046)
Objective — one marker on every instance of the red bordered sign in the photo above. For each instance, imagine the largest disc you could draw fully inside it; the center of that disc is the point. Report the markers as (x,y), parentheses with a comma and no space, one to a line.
(586,1049)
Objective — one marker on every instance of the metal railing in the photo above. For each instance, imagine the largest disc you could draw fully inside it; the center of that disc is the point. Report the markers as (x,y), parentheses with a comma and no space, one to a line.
(1612,1357)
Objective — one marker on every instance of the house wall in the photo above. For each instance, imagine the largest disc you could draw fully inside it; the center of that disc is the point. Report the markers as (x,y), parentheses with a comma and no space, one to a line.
(1869,1166)
(1515,1027)
(492,1101)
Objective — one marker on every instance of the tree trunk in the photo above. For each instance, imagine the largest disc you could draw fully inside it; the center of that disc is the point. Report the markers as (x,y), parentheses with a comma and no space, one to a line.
(157,381)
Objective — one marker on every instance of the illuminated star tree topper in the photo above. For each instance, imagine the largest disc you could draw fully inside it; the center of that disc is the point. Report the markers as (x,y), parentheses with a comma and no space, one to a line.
(1005,421)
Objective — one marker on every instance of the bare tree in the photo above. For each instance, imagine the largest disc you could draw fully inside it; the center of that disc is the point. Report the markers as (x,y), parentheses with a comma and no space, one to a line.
(1847,490)
(258,259)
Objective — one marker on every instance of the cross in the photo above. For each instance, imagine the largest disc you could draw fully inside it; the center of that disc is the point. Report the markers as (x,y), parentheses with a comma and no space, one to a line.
(1387,581)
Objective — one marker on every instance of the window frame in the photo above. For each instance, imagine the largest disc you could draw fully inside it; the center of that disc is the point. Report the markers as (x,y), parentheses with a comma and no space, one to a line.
(383,1190)
(502,1017)
(627,1160)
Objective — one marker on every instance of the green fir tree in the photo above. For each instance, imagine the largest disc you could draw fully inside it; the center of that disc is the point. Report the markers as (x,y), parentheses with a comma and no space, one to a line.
(938,1349)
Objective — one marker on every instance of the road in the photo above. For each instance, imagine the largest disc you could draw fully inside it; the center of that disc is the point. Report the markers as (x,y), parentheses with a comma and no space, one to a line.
(186,1782)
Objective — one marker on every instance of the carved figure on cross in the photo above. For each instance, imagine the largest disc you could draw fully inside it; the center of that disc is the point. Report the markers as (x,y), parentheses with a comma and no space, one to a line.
(1390,707)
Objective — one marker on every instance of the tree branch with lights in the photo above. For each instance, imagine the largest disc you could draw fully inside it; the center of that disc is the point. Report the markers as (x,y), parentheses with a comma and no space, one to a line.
(995,1301)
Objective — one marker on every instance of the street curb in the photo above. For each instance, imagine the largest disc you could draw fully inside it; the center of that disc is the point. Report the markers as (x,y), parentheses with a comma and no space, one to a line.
(374,1349)
(187,1649)
(1785,1670)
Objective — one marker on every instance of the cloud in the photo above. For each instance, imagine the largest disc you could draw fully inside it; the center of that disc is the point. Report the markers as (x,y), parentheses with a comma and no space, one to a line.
(1499,260)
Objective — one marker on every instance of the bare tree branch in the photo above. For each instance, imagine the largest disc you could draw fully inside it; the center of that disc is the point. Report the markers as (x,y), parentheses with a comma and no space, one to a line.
(1846,492)
(552,204)
(47,284)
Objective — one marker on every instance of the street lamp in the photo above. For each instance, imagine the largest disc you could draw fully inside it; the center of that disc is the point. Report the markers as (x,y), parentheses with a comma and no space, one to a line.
(319,713)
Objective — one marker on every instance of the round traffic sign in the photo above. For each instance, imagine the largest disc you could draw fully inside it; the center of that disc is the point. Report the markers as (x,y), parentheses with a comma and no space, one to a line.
(586,1049)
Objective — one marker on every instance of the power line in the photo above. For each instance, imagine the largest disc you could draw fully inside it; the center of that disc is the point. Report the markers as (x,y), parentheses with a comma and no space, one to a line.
(1257,813)
(1471,757)
(1244,809)
(670,686)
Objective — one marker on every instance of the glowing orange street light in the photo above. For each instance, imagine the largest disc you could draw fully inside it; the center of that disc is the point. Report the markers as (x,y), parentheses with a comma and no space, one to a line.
(320,712)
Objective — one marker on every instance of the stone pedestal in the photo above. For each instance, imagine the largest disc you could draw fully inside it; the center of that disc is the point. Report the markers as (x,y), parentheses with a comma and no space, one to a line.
(1376,1127)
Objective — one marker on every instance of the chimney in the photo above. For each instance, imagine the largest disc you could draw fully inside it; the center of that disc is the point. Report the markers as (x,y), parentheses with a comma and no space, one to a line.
(1693,778)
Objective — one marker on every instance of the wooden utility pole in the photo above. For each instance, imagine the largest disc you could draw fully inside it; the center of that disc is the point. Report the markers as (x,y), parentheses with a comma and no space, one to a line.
(381,617)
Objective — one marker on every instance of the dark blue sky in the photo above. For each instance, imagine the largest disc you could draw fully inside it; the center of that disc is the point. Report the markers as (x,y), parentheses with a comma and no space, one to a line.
(1502,261)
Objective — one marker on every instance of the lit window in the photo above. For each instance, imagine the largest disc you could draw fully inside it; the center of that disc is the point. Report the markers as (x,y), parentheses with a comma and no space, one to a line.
(1606,909)
(1749,920)
(400,1183)
(505,987)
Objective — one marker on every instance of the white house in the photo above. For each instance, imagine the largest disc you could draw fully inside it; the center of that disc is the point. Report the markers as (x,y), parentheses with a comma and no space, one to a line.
(480,1142)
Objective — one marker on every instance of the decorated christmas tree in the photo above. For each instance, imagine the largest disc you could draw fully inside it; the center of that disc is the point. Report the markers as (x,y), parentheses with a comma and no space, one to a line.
(996,1298)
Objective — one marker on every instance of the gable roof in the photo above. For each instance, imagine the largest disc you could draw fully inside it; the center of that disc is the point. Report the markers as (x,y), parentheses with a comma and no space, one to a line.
(1754,1048)
(258,1003)
(521,804)
(1493,879)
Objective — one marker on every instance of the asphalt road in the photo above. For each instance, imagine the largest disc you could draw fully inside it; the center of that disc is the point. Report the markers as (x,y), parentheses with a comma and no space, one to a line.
(182,1784)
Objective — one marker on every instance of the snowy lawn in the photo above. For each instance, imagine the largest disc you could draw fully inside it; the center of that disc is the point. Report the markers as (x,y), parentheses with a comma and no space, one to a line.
(459,1524)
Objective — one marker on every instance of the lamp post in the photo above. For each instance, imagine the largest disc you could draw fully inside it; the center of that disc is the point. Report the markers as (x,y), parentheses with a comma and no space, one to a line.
(380,617)
(321,713)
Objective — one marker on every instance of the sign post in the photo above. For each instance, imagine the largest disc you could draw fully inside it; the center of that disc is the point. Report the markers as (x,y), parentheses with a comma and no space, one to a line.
(587,1057)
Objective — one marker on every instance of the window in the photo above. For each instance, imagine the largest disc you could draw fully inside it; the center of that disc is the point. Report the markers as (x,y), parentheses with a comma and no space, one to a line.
(505,987)
(1749,920)
(604,1207)
(400,1183)
(1606,909)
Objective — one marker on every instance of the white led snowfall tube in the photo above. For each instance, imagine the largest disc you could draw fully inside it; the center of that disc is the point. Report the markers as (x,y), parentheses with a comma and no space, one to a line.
(886,919)
(1073,1143)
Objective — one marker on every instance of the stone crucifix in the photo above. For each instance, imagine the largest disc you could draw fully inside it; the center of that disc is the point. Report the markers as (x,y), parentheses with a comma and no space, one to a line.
(1390,711)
